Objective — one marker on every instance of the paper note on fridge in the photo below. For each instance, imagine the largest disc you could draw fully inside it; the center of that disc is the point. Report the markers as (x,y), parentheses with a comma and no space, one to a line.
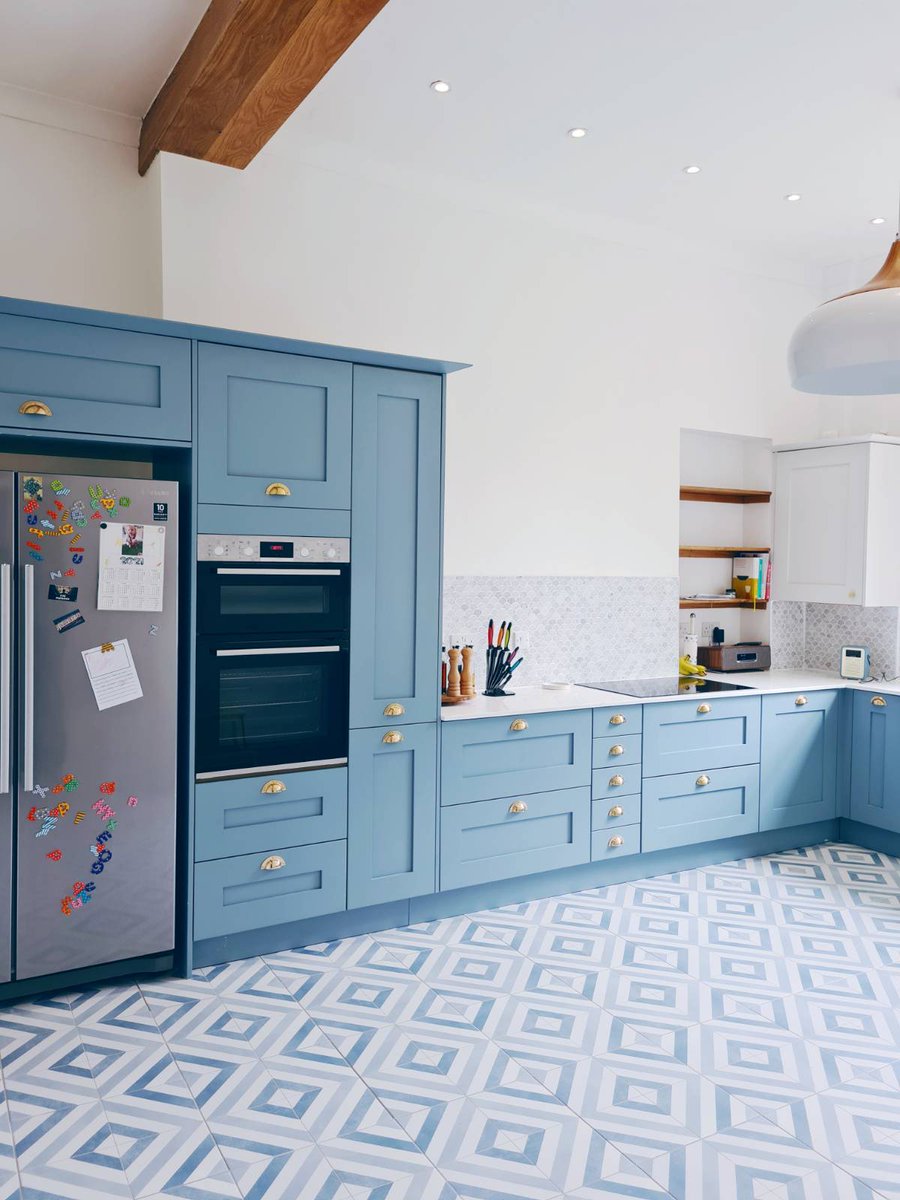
(131,567)
(112,673)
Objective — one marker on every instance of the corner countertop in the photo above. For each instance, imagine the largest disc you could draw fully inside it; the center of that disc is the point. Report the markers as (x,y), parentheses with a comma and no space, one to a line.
(533,698)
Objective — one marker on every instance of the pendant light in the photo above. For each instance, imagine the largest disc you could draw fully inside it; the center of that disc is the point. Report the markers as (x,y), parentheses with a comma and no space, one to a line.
(850,346)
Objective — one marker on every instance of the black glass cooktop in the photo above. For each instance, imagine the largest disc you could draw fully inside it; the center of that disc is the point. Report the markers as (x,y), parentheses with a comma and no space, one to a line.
(670,686)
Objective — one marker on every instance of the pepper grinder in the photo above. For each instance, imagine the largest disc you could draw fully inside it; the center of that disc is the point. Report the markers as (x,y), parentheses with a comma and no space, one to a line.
(467,680)
(453,676)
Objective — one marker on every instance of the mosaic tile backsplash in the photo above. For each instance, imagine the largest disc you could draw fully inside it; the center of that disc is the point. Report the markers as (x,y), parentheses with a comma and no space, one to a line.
(811,635)
(577,628)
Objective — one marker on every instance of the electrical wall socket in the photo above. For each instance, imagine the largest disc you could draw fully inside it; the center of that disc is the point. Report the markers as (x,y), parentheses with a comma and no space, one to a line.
(683,628)
(706,632)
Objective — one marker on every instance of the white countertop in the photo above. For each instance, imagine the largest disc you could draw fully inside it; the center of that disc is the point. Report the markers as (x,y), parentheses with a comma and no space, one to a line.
(534,698)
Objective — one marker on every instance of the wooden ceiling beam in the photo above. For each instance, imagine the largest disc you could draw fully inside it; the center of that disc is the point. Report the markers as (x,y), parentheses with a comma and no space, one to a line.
(248,66)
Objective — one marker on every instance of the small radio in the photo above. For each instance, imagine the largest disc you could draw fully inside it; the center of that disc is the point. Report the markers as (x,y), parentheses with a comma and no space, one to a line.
(854,662)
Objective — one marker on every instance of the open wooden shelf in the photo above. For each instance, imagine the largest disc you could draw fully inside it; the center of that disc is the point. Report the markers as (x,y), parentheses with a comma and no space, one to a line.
(725,602)
(724,495)
(721,551)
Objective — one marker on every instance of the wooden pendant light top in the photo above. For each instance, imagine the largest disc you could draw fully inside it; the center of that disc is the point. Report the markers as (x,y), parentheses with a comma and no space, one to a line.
(887,277)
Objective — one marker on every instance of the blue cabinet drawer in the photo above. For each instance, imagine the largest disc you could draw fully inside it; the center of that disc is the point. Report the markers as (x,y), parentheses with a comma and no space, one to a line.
(617,752)
(799,761)
(607,814)
(232,895)
(678,810)
(612,782)
(498,839)
(91,380)
(511,756)
(875,760)
(244,816)
(627,718)
(615,843)
(698,734)
(270,418)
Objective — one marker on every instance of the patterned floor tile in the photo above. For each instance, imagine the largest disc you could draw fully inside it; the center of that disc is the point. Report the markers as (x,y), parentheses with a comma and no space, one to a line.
(42,1054)
(68,1154)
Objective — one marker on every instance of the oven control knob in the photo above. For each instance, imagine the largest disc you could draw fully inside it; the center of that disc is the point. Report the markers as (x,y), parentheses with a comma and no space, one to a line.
(219,550)
(330,552)
(304,551)
(247,551)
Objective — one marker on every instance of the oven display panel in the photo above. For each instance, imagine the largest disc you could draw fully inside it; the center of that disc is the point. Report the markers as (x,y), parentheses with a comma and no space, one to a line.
(276,549)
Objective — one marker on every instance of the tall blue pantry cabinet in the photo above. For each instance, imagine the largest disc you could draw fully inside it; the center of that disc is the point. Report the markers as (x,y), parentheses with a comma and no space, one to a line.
(394,634)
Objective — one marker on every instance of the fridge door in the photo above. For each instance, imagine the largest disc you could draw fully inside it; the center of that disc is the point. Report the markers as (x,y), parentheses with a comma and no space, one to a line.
(7,548)
(95,817)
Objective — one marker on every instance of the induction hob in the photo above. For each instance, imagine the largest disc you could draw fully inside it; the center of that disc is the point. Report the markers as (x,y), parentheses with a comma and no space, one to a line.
(672,685)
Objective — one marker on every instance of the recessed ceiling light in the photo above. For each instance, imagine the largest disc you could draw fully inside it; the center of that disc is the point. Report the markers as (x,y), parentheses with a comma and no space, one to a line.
(440,85)
(792,196)
(577,132)
(691,170)
(877,221)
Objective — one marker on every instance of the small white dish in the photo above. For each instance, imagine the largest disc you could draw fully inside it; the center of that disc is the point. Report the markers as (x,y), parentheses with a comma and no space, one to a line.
(557,686)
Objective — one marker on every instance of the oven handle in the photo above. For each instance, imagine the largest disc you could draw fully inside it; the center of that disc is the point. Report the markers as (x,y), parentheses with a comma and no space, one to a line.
(273,571)
(278,650)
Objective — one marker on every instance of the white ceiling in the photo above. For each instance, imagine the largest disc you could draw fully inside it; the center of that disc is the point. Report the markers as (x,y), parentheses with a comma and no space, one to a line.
(768,96)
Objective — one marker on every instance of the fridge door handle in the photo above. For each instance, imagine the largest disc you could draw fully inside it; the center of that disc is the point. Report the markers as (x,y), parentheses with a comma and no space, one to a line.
(28,767)
(5,672)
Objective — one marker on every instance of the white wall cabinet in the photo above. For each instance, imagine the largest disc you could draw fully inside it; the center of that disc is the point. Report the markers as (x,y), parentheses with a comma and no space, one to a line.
(837,522)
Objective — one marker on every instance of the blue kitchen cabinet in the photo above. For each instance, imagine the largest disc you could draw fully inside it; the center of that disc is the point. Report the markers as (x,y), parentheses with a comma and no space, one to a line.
(64,377)
(799,759)
(875,761)
(273,429)
(396,547)
(392,814)
(698,734)
(681,810)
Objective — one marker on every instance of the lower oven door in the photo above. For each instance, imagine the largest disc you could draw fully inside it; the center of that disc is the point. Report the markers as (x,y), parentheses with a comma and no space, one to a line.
(266,704)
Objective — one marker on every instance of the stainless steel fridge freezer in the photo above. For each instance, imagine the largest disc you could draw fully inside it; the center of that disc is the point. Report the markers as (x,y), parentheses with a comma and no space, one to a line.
(95,727)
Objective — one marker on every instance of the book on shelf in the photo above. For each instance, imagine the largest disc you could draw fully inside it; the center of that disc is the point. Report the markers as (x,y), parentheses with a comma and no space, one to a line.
(752,577)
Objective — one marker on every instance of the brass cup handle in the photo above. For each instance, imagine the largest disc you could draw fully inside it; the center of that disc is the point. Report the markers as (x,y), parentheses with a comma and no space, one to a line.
(273,788)
(273,863)
(617,719)
(35,408)
(394,709)
(616,781)
(392,737)
(703,708)
(879,701)
(518,806)
(518,725)
(278,489)
(615,751)
(800,701)
(615,842)
(702,780)
(616,811)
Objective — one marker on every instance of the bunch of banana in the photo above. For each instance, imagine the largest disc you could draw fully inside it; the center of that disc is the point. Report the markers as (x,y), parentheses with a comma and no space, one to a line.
(687,667)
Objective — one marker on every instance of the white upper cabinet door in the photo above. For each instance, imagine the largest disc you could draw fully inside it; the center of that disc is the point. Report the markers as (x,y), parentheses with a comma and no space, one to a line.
(821,501)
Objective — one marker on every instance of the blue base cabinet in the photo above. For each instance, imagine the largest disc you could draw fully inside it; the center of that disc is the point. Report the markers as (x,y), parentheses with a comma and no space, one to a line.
(396,547)
(699,734)
(799,764)
(274,429)
(875,761)
(678,810)
(392,814)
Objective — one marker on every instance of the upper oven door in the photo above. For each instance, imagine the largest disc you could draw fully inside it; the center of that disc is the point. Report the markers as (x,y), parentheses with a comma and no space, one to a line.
(272,600)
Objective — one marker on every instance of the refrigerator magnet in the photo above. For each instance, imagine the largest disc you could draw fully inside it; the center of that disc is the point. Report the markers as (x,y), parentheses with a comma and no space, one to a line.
(39,790)
(33,487)
(68,621)
(54,855)
(110,787)
(65,592)
(132,801)
(29,507)
(79,817)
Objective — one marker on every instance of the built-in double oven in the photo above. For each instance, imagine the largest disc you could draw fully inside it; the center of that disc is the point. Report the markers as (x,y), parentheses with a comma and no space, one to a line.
(273,654)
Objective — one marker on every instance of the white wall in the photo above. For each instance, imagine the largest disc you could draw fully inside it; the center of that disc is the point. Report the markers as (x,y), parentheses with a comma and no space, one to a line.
(589,355)
(79,224)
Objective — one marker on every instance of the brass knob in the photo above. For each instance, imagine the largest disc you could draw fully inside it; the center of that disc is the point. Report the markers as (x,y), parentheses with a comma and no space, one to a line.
(800,701)
(703,708)
(518,806)
(615,751)
(35,408)
(702,780)
(394,709)
(273,788)
(392,737)
(617,719)
(616,781)
(615,842)
(518,725)
(616,811)
(879,701)
(278,489)
(273,863)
